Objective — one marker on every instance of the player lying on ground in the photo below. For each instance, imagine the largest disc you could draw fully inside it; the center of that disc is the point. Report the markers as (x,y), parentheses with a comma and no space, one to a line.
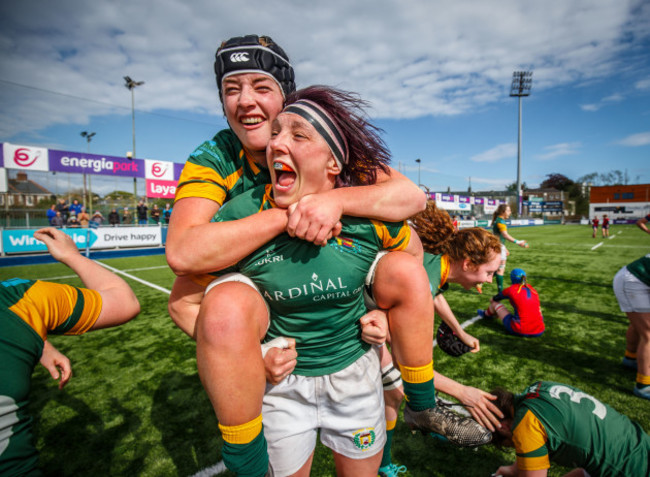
(553,422)
(32,309)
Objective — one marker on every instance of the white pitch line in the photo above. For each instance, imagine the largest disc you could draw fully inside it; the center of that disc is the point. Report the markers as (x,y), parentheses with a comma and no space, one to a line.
(132,277)
(597,245)
(218,468)
(66,277)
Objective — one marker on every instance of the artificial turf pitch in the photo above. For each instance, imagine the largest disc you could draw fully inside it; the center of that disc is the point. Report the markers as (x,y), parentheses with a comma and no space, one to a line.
(135,405)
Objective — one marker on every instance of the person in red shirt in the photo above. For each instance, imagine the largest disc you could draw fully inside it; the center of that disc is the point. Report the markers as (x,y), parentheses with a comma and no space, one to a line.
(527,319)
(605,227)
(594,226)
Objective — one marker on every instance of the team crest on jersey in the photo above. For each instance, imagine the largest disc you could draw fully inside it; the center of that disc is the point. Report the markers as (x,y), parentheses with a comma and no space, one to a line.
(364,438)
(344,244)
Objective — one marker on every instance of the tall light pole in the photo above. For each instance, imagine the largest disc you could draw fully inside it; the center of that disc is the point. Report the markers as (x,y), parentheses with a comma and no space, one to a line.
(522,82)
(131,85)
(88,137)
(418,161)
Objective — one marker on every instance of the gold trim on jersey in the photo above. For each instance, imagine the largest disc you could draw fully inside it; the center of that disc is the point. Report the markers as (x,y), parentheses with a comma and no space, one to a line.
(392,243)
(444,270)
(47,306)
(530,436)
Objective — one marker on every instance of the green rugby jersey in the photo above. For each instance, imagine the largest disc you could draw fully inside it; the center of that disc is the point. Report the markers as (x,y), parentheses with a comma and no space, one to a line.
(499,226)
(29,311)
(562,424)
(219,170)
(315,293)
(437,268)
(641,269)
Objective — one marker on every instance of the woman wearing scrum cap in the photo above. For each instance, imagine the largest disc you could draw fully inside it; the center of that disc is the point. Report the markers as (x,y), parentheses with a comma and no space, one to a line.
(254,77)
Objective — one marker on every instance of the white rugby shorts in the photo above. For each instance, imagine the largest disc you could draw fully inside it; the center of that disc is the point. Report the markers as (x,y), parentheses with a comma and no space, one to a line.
(632,294)
(347,408)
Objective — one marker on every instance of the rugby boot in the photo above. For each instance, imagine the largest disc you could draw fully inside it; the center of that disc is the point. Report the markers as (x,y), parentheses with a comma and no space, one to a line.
(459,430)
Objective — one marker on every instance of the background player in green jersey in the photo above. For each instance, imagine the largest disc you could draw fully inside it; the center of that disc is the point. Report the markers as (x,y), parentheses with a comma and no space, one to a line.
(500,229)
(29,311)
(554,422)
(632,290)
(254,76)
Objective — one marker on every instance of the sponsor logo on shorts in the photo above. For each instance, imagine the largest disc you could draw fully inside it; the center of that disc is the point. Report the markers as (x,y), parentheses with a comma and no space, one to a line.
(364,438)
(344,244)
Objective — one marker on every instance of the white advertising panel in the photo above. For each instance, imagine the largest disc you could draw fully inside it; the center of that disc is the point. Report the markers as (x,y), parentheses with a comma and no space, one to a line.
(25,157)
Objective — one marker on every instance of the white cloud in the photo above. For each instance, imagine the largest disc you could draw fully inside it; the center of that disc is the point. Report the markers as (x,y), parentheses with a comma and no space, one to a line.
(558,150)
(614,98)
(502,151)
(409,59)
(635,140)
(643,84)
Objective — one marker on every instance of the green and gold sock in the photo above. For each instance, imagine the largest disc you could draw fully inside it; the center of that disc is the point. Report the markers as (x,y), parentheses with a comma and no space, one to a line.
(419,390)
(390,430)
(244,450)
(499,282)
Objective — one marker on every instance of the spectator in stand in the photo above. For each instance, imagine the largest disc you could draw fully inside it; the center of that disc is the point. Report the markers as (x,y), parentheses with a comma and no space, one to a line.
(167,213)
(73,221)
(114,218)
(594,226)
(64,209)
(75,207)
(98,218)
(605,228)
(57,221)
(84,218)
(641,223)
(51,213)
(142,213)
(127,218)
(454,221)
(155,214)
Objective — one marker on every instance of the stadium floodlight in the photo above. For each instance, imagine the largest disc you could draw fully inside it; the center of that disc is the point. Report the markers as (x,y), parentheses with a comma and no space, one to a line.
(418,161)
(88,137)
(131,84)
(522,82)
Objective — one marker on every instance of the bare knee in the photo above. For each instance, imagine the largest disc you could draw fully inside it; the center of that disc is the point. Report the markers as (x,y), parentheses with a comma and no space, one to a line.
(232,311)
(399,277)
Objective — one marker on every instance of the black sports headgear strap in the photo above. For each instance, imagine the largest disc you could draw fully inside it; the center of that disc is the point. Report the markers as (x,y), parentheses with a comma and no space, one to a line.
(245,54)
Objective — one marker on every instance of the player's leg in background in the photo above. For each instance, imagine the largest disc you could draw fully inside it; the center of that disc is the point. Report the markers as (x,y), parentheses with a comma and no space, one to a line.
(641,323)
(631,346)
(393,396)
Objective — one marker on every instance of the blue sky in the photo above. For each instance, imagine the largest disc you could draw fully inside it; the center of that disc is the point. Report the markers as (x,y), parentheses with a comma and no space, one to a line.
(437,74)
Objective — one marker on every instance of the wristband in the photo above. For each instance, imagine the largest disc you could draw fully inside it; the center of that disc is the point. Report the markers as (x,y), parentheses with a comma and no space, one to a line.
(517,242)
(280,342)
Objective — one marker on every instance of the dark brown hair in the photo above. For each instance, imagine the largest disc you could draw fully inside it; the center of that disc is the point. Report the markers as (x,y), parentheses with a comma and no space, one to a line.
(439,237)
(505,402)
(367,151)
